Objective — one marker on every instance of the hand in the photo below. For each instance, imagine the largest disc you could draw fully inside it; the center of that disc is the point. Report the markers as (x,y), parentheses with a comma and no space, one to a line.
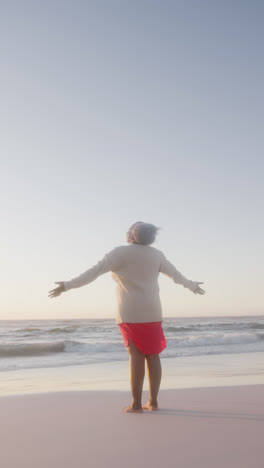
(57,291)
(199,290)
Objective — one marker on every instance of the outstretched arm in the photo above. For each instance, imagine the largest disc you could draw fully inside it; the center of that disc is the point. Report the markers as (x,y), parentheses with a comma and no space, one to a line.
(111,262)
(88,276)
(168,269)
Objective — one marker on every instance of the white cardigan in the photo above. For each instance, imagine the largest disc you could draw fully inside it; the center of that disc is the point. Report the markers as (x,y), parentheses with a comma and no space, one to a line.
(135,268)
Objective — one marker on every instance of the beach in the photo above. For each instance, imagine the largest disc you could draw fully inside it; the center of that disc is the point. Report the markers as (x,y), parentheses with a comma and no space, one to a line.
(63,385)
(196,427)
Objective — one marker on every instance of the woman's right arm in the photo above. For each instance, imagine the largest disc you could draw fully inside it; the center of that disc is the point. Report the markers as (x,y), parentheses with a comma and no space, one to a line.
(88,276)
(110,262)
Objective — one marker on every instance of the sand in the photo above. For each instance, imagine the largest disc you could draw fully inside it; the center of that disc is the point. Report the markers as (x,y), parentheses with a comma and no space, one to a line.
(217,427)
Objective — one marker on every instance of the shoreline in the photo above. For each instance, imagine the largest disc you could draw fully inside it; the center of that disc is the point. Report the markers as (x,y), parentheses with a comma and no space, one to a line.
(125,392)
(184,372)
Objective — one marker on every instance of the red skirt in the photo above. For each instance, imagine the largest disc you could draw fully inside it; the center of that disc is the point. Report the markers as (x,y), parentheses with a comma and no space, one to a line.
(148,336)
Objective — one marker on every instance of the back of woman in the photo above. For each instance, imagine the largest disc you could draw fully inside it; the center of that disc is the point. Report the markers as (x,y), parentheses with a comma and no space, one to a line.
(135,269)
(137,290)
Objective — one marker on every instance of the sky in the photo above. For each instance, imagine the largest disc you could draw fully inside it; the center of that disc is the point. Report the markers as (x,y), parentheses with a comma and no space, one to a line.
(114,112)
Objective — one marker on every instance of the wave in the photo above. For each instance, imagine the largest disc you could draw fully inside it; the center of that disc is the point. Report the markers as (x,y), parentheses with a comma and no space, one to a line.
(256,325)
(61,330)
(179,329)
(68,328)
(213,339)
(238,325)
(49,330)
(115,345)
(31,349)
(38,349)
(215,326)
(90,329)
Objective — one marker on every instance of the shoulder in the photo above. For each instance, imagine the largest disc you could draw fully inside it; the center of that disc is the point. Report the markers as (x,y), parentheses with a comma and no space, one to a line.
(156,252)
(122,250)
(119,248)
(117,251)
(114,257)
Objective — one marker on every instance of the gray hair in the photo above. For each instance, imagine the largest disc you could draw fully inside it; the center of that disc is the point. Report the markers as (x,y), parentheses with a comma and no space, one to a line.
(142,233)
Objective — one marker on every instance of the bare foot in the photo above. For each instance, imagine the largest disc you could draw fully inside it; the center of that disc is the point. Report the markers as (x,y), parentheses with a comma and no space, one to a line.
(150,407)
(130,409)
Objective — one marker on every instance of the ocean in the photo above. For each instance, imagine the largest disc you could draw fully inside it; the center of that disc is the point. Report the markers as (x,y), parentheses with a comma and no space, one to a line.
(40,350)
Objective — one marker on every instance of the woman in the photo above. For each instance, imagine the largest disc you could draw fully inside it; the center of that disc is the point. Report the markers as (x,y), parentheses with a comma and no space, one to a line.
(135,268)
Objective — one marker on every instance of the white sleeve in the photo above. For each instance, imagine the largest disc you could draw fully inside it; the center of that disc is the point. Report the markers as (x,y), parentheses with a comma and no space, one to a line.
(110,262)
(169,270)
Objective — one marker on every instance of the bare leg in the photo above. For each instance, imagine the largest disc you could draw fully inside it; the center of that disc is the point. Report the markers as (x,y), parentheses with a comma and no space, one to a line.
(136,375)
(154,375)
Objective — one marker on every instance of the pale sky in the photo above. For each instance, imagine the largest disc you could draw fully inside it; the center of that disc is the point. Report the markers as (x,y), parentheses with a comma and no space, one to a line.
(114,112)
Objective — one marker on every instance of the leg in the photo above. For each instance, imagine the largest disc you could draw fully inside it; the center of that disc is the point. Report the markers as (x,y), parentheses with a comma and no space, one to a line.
(154,375)
(136,374)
